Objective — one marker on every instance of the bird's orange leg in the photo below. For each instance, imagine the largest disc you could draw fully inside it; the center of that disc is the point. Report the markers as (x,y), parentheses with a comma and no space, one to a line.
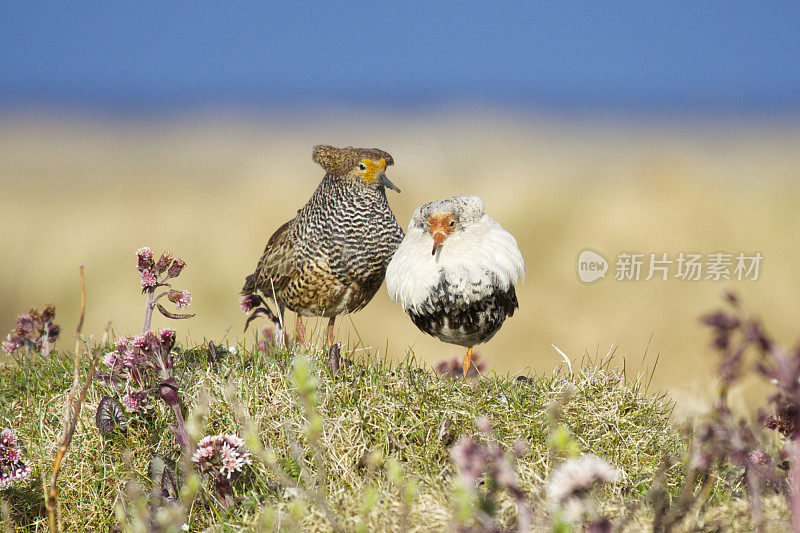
(329,331)
(300,331)
(467,362)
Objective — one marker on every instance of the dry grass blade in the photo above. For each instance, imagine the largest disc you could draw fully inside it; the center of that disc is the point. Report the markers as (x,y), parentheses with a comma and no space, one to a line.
(71,414)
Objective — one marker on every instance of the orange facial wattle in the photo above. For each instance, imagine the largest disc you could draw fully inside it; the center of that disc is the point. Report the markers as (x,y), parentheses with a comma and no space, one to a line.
(373,169)
(440,226)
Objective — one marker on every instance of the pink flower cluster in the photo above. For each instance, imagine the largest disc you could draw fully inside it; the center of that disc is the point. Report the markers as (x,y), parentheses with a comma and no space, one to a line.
(221,455)
(181,299)
(34,331)
(142,360)
(571,481)
(475,459)
(134,401)
(266,338)
(13,467)
(453,369)
(151,270)
(249,302)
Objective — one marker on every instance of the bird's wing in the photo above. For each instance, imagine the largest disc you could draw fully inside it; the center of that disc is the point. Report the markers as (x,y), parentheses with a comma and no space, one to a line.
(274,270)
(508,300)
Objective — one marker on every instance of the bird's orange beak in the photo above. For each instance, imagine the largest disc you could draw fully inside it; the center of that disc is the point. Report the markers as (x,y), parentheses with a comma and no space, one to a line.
(439,227)
(438,239)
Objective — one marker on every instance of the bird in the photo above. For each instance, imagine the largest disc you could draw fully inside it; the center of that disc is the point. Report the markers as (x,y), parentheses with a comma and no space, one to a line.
(455,272)
(331,258)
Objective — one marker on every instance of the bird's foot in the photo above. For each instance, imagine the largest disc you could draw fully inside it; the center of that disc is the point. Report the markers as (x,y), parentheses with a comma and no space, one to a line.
(466,364)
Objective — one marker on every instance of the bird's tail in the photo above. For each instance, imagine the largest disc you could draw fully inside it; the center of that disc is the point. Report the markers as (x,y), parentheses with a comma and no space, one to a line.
(260,306)
(249,285)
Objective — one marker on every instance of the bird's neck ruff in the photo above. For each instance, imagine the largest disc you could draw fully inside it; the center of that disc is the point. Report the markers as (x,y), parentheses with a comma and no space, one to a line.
(474,262)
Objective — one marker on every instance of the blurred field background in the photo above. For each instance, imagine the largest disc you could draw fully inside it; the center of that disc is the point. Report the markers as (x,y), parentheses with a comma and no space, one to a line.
(644,128)
(212,187)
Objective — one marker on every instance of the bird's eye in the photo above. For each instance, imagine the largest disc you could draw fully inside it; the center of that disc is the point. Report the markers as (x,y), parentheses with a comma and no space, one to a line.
(362,166)
(452,223)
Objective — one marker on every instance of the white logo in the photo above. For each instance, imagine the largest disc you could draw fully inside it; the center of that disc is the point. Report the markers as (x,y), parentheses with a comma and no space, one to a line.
(591,266)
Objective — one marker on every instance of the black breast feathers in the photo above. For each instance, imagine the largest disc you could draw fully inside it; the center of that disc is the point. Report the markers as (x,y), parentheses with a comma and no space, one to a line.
(455,320)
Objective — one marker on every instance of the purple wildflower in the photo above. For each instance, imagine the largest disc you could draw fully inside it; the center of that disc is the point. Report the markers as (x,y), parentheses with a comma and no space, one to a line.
(571,481)
(122,344)
(143,359)
(760,458)
(13,468)
(175,269)
(133,357)
(148,343)
(453,368)
(163,262)
(267,338)
(11,343)
(134,401)
(34,331)
(147,268)
(8,439)
(167,339)
(475,460)
(249,302)
(148,280)
(146,262)
(145,253)
(140,340)
(25,324)
(49,313)
(470,457)
(128,355)
(110,359)
(221,456)
(181,299)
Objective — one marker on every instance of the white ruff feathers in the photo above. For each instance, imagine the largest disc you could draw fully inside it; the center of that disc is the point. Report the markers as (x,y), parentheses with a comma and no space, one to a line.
(476,261)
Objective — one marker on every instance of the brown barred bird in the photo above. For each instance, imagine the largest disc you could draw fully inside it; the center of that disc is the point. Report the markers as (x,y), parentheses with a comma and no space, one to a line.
(331,258)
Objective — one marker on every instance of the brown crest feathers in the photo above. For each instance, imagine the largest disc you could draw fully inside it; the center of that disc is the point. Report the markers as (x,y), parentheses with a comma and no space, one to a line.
(340,161)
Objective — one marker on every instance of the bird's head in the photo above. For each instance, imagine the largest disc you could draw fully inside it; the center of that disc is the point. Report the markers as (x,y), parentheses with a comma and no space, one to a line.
(358,166)
(372,173)
(447,217)
(440,226)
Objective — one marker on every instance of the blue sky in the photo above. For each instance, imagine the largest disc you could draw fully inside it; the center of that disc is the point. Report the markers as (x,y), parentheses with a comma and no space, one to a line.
(726,56)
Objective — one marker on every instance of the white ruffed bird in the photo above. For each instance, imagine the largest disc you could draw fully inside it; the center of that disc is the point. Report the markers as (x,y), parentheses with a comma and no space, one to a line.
(454,272)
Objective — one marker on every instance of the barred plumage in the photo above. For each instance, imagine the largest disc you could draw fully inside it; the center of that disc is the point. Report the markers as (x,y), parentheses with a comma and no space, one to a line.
(332,257)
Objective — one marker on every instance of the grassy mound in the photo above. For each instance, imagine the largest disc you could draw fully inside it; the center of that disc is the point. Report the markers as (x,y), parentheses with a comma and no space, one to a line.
(367,449)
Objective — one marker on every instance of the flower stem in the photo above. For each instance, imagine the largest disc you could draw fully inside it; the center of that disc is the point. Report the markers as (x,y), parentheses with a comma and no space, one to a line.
(168,391)
(148,310)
